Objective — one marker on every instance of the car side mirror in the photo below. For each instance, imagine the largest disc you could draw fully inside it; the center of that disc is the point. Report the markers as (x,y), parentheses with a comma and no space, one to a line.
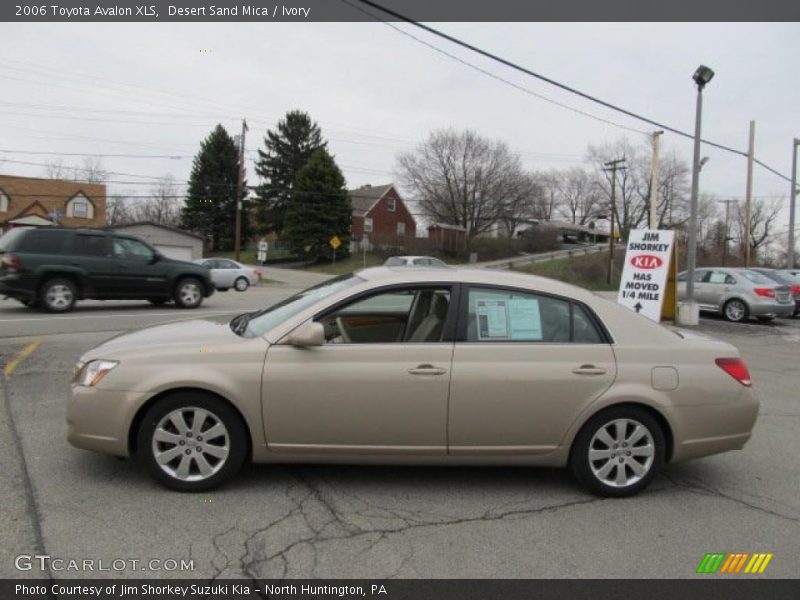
(308,334)
(156,257)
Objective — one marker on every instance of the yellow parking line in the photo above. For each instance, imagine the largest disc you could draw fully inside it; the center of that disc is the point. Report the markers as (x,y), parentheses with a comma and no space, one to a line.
(24,353)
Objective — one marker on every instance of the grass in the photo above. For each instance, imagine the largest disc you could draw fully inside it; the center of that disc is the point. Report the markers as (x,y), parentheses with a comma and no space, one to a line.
(588,271)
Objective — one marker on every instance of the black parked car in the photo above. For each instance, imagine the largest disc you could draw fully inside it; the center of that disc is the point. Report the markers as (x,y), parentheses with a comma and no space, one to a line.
(53,268)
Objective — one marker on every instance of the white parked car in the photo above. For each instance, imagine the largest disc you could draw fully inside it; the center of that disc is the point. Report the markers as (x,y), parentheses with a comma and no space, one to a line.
(227,273)
(414,261)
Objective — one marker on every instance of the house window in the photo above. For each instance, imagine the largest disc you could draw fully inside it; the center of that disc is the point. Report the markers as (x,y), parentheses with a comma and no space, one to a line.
(401,228)
(3,202)
(367,225)
(79,207)
(390,205)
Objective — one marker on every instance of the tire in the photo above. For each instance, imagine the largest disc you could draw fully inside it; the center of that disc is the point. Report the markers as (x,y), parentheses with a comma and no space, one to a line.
(189,293)
(601,474)
(58,295)
(735,310)
(177,457)
(158,301)
(241,284)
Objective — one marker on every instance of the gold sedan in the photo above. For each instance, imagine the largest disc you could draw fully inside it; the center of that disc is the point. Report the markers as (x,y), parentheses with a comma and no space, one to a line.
(416,366)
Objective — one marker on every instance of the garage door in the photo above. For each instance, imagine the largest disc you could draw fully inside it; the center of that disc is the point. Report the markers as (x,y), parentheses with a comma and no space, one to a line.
(176,252)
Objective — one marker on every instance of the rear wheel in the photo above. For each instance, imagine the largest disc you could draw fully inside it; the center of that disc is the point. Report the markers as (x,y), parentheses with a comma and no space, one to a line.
(241,284)
(735,310)
(618,452)
(189,293)
(58,295)
(191,441)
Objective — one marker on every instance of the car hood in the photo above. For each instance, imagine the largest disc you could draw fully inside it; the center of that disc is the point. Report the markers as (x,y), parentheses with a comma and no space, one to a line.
(197,333)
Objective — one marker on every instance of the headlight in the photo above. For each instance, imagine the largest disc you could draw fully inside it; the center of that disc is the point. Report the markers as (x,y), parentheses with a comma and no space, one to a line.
(92,372)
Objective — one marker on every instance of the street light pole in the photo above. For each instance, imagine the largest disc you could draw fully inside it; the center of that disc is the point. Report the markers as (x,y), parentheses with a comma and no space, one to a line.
(654,181)
(237,243)
(701,77)
(792,199)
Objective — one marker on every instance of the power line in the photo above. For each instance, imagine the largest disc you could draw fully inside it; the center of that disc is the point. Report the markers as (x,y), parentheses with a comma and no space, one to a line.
(553,82)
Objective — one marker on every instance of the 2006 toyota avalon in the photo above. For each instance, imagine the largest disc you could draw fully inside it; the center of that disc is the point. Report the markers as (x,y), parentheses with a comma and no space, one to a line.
(416,366)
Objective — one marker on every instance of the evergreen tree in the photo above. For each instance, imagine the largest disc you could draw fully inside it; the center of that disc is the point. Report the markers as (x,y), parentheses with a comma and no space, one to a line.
(320,209)
(210,208)
(287,150)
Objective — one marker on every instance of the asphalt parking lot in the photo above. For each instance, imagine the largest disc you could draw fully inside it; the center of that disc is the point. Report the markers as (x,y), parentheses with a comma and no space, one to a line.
(378,522)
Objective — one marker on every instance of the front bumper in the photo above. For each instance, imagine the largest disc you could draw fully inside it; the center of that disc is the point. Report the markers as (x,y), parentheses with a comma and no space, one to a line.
(100,420)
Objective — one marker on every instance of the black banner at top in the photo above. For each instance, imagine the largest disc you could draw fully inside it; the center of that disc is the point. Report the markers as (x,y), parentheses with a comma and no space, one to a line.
(418,10)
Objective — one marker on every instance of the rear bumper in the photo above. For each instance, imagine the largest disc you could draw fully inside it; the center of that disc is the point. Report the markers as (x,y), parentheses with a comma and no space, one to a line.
(701,430)
(13,286)
(772,309)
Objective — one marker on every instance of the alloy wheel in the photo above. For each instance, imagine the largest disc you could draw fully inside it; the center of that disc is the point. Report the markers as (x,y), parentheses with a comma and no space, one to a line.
(191,444)
(735,310)
(189,293)
(621,452)
(59,297)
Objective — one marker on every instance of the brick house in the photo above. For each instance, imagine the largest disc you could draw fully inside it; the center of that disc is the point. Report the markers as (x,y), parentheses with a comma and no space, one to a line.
(30,201)
(380,218)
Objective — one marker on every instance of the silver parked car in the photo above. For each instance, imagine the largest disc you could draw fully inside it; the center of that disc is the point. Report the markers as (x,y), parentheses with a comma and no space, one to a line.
(785,277)
(737,294)
(416,366)
(227,273)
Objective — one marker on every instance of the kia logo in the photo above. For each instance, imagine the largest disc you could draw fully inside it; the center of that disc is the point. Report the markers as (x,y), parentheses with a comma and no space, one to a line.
(646,261)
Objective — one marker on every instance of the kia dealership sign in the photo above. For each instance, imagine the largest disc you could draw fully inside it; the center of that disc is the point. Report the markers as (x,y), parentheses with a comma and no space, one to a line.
(644,278)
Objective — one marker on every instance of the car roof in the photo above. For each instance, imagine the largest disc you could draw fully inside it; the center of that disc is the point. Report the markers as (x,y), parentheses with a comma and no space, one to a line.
(498,277)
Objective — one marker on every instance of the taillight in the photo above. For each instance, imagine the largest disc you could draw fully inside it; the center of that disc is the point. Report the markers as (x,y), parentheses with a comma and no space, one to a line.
(765,292)
(11,263)
(795,290)
(736,368)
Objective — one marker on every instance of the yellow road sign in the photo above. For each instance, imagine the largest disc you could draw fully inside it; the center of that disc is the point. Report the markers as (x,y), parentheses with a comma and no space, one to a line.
(335,242)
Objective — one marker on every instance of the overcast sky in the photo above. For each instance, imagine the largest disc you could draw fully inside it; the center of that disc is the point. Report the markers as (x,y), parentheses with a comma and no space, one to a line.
(148,89)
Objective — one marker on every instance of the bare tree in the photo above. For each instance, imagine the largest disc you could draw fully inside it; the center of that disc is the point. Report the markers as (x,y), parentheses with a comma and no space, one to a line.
(579,195)
(164,204)
(90,170)
(55,169)
(763,215)
(118,211)
(519,206)
(547,201)
(461,178)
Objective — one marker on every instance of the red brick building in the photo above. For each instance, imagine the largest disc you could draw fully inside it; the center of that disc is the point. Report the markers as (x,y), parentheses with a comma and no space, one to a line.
(380,214)
(30,201)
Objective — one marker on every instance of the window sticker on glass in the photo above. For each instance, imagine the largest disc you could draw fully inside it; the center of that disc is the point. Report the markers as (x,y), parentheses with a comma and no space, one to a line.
(717,277)
(492,319)
(525,318)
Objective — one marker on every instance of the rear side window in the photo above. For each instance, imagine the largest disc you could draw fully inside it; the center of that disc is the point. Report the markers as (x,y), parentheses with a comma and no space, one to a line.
(90,245)
(496,315)
(8,240)
(41,241)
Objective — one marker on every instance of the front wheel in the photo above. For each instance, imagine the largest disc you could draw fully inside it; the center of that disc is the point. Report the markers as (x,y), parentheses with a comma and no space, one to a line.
(618,452)
(191,442)
(735,310)
(241,284)
(189,293)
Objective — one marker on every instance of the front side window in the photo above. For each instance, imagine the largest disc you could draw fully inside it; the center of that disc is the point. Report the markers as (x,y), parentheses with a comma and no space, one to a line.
(390,317)
(128,249)
(720,277)
(496,315)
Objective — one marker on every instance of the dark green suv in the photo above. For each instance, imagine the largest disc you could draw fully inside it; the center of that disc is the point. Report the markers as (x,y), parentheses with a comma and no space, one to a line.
(53,268)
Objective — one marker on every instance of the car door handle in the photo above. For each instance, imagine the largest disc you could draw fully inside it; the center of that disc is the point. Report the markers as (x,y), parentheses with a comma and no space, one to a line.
(427,369)
(589,370)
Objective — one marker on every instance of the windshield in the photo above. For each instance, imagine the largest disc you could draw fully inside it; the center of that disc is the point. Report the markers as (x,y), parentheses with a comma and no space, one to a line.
(258,323)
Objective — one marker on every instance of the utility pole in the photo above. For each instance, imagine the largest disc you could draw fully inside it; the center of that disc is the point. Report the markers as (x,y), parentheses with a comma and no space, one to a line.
(239,193)
(654,181)
(613,166)
(749,197)
(792,199)
(725,239)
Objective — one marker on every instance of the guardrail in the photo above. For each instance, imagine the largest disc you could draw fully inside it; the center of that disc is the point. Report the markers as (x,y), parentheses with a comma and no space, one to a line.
(527,259)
